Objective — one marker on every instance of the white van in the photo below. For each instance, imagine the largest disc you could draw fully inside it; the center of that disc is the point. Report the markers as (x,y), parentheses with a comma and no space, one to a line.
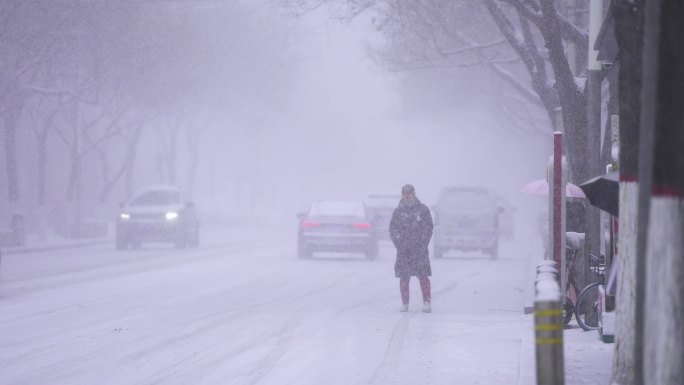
(466,219)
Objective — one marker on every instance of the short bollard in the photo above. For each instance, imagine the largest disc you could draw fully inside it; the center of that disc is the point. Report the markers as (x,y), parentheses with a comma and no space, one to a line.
(548,333)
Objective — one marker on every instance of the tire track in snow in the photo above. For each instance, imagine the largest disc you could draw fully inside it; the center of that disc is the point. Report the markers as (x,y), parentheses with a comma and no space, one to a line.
(385,371)
(287,334)
(442,290)
(211,353)
(149,262)
(457,283)
(93,329)
(135,310)
(384,374)
(281,338)
(80,333)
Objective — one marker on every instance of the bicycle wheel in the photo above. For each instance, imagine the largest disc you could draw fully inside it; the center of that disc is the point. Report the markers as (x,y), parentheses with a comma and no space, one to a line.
(586,308)
(568,309)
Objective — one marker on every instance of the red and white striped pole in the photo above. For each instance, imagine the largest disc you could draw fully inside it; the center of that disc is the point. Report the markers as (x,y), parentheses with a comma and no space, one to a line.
(627,362)
(663,116)
(629,33)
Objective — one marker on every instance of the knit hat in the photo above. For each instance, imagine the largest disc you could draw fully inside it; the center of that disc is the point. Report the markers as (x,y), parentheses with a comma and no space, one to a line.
(408,188)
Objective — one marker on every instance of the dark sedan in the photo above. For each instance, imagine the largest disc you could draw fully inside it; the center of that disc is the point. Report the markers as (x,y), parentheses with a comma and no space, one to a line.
(341,226)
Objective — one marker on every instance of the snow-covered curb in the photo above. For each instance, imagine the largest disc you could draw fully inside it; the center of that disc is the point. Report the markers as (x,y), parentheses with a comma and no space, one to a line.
(55,246)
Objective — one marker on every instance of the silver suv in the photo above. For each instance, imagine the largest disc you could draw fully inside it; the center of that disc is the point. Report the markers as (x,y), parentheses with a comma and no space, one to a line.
(466,219)
(157,214)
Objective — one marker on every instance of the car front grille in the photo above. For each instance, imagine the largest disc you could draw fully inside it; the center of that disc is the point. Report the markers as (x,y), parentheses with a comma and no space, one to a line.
(148,217)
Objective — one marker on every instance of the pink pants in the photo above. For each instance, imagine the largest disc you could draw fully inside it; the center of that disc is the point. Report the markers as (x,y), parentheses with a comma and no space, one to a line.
(424,288)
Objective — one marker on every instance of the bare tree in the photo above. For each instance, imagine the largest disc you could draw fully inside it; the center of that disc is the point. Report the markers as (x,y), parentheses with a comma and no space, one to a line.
(128,134)
(43,121)
(24,49)
(193,140)
(168,153)
(434,33)
(91,80)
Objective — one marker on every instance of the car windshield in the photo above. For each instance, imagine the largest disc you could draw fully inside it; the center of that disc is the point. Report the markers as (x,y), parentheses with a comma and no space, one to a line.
(156,198)
(467,201)
(337,209)
(388,200)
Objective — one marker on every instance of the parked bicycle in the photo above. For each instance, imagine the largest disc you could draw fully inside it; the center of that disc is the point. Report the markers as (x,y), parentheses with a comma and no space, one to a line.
(588,306)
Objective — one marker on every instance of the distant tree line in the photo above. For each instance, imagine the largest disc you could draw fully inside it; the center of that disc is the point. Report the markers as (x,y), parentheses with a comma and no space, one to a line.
(87,83)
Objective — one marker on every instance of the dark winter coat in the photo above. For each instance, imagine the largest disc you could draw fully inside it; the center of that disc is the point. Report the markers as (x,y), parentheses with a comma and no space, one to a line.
(411,230)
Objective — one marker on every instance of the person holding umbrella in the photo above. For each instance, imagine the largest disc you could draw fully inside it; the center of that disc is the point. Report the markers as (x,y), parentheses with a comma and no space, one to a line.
(604,192)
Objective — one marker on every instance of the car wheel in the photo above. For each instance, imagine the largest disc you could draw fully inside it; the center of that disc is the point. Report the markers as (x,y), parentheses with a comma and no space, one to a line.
(372,251)
(184,238)
(195,238)
(437,252)
(494,251)
(303,252)
(121,242)
(180,242)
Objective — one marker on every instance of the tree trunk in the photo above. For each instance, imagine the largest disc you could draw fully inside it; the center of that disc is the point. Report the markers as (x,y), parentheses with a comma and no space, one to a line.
(74,170)
(42,167)
(574,104)
(130,172)
(664,316)
(193,141)
(565,93)
(41,223)
(628,16)
(169,140)
(192,171)
(107,183)
(126,169)
(624,359)
(593,234)
(572,99)
(11,163)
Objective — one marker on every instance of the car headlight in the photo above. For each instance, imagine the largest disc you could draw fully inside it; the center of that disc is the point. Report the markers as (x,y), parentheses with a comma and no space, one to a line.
(125,216)
(171,216)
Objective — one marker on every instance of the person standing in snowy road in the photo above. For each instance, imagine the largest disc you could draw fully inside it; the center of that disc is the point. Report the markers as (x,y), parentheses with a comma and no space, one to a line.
(410,231)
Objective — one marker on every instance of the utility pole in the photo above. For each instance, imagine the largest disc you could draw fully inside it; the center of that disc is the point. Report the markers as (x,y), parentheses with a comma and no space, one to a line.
(663,122)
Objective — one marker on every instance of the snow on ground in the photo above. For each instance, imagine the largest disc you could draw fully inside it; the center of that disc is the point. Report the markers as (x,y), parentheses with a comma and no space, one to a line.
(242,309)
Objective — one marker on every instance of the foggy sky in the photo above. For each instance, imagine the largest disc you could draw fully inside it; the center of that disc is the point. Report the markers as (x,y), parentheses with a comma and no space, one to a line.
(297,111)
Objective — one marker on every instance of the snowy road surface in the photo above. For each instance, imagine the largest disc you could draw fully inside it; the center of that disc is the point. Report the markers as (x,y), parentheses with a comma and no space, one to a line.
(243,310)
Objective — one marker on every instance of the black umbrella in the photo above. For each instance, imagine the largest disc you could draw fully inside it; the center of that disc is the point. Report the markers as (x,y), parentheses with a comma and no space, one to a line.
(604,192)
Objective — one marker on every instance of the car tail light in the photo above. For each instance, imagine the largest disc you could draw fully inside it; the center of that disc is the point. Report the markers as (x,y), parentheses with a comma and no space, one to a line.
(310,224)
(363,225)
